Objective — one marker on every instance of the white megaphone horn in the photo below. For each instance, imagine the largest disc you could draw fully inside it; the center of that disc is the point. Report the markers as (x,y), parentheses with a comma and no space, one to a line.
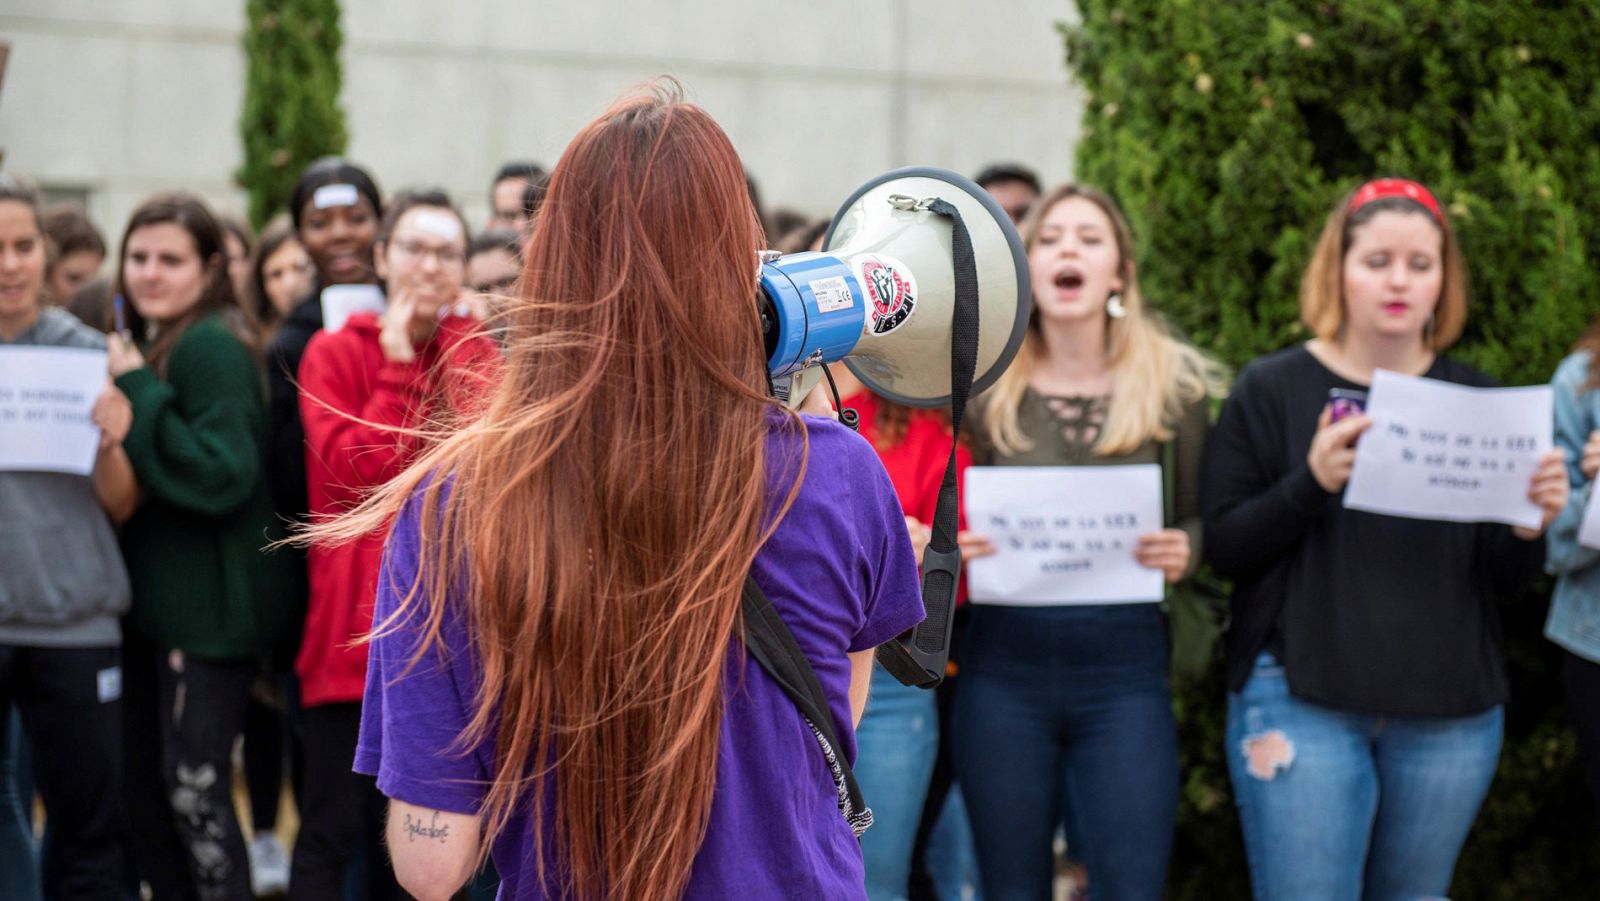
(922,290)
(880,294)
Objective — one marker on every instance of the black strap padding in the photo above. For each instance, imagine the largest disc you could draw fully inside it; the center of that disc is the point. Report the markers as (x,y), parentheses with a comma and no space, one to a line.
(922,662)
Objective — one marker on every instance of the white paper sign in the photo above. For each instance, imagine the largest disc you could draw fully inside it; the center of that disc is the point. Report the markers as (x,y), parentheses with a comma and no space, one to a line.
(340,302)
(46,394)
(1448,452)
(1589,528)
(1064,534)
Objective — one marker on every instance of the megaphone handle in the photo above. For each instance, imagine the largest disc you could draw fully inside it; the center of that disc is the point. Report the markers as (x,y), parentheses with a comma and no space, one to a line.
(922,663)
(850,418)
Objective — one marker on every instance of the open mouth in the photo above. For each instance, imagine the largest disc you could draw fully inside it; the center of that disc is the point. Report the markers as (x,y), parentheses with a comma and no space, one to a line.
(1069,280)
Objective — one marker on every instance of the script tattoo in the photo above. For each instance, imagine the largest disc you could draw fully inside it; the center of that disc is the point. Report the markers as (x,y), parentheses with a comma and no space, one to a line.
(416,828)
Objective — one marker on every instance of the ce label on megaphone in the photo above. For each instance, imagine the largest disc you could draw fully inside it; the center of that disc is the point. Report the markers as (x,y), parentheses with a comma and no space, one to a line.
(881,293)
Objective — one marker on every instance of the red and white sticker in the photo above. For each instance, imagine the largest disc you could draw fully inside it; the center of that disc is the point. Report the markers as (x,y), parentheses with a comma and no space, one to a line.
(891,292)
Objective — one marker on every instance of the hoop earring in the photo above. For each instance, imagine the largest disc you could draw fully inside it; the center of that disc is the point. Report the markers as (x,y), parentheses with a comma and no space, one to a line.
(1114,307)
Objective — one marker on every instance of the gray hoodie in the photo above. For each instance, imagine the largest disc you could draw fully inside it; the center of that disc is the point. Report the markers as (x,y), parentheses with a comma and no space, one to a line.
(62,582)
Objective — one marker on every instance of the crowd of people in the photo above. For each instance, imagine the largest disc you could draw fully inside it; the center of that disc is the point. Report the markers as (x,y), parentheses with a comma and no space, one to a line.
(537,460)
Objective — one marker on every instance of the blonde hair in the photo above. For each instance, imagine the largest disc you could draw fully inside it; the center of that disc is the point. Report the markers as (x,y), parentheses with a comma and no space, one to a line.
(1322,287)
(1154,374)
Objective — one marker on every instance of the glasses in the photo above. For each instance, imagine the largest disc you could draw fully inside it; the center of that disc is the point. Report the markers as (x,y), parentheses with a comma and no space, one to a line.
(498,286)
(447,256)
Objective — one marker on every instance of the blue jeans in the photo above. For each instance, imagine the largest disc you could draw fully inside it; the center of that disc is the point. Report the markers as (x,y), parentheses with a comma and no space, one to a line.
(895,746)
(1339,805)
(1068,699)
(19,858)
(951,863)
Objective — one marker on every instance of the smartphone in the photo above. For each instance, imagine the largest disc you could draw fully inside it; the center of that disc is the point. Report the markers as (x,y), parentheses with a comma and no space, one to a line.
(1344,402)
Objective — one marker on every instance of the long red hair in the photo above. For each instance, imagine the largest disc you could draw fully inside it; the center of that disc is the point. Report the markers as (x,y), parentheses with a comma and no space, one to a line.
(607,502)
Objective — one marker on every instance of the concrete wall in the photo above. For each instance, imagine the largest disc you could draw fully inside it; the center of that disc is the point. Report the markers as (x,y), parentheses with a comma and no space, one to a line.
(126,97)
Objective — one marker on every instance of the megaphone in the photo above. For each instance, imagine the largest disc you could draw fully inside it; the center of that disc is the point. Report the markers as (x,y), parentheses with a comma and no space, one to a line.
(922,290)
(880,294)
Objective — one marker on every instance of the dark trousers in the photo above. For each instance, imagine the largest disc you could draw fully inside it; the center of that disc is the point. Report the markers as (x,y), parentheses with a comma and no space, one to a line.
(71,712)
(183,714)
(1068,702)
(1582,678)
(341,812)
(266,746)
(943,780)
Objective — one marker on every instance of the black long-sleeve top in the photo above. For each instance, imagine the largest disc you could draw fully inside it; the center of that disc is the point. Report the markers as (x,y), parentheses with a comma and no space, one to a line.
(286,443)
(286,447)
(1371,613)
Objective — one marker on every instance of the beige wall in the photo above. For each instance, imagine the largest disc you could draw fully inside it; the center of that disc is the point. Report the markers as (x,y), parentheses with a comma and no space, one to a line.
(126,97)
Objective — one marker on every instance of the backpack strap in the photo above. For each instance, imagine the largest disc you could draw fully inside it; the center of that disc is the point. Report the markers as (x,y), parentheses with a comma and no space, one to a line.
(770,642)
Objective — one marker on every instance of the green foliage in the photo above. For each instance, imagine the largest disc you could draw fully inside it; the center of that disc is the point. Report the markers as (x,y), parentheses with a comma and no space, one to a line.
(1228,131)
(291,110)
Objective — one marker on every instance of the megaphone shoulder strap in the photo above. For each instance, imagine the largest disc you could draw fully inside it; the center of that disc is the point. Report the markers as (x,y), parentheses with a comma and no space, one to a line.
(922,663)
(768,639)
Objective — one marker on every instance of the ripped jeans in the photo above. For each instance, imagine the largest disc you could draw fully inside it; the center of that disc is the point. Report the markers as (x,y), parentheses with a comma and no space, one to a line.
(1338,805)
(183,714)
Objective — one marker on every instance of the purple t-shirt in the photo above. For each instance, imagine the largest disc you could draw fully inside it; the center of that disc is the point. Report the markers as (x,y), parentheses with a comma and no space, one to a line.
(840,571)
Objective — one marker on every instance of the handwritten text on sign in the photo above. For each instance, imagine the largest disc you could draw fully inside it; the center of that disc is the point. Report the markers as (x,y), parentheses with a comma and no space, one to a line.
(45,397)
(1064,534)
(1442,451)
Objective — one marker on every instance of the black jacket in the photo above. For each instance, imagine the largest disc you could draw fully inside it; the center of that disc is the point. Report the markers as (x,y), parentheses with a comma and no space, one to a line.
(286,449)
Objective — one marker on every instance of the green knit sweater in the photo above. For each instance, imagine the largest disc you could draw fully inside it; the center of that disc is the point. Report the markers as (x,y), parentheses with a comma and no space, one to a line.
(201,581)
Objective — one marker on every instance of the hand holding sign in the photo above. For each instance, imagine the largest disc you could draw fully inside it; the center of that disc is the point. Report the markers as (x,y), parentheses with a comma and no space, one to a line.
(112,414)
(1549,490)
(1589,465)
(1167,550)
(1443,451)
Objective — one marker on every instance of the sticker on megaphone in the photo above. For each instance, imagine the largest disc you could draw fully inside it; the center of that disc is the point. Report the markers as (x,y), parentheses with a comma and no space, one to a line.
(891,292)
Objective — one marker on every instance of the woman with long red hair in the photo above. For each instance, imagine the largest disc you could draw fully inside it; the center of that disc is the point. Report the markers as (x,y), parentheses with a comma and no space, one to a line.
(556,674)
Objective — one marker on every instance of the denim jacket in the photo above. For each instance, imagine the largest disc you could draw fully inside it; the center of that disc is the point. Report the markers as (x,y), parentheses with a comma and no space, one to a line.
(1574,621)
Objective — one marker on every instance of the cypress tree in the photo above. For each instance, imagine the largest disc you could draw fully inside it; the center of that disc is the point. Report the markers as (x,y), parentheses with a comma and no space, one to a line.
(1227,131)
(291,112)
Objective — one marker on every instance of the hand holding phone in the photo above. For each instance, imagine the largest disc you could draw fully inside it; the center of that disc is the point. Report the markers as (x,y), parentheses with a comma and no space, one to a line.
(1333,448)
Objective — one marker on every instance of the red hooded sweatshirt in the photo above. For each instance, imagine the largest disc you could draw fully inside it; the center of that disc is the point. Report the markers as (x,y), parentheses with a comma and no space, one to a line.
(348,393)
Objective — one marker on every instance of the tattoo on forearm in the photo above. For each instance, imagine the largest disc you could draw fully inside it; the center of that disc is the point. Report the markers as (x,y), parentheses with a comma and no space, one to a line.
(416,828)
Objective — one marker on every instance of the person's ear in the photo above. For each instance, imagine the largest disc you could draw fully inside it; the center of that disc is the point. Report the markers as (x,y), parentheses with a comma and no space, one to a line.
(1121,281)
(216,267)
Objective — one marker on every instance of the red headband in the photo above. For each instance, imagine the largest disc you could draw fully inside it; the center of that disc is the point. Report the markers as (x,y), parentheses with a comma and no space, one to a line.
(1381,188)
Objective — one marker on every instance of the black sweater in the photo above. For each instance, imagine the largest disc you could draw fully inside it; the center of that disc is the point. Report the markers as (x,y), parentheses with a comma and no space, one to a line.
(1370,613)
(286,447)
